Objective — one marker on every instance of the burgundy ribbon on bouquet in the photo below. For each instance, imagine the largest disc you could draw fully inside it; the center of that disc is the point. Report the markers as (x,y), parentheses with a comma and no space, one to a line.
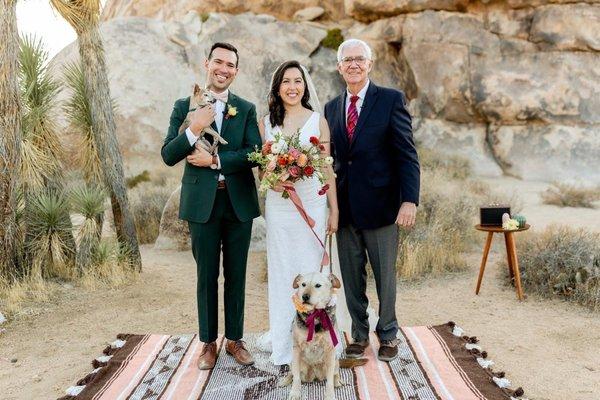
(289,187)
(325,321)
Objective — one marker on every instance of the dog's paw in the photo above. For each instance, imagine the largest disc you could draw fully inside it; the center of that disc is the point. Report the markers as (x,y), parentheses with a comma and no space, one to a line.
(337,381)
(285,381)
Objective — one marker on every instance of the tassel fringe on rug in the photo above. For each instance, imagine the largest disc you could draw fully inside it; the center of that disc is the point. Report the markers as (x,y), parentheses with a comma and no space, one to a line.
(434,362)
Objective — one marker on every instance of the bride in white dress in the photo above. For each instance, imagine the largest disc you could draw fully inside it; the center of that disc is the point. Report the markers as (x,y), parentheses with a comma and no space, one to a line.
(292,248)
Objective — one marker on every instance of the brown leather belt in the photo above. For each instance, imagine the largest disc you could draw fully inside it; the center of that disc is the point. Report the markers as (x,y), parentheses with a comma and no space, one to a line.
(221,185)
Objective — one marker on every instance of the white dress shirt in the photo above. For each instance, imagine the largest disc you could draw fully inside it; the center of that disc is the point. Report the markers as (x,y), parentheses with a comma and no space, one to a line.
(219,112)
(361,99)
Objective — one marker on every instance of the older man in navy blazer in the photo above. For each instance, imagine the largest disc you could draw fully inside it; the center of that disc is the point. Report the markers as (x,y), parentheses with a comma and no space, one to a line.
(378,176)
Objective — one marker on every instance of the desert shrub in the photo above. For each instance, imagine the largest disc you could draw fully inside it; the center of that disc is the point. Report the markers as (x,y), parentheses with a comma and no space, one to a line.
(48,233)
(147,202)
(453,166)
(204,17)
(333,39)
(109,267)
(89,201)
(565,195)
(561,261)
(443,231)
(137,179)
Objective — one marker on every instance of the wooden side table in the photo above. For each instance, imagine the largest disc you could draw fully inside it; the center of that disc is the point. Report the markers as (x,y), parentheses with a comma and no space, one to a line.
(511,253)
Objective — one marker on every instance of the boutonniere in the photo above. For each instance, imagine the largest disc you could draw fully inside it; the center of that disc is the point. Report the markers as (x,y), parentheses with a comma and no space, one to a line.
(231,112)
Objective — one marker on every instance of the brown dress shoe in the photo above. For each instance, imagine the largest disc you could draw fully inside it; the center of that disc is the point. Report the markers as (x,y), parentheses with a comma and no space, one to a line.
(237,349)
(208,357)
(388,350)
(357,349)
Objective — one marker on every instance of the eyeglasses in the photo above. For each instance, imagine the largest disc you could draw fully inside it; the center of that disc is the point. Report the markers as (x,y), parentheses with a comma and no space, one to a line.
(360,60)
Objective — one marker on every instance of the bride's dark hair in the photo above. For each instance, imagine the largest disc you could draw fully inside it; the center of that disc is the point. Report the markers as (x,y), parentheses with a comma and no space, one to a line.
(276,108)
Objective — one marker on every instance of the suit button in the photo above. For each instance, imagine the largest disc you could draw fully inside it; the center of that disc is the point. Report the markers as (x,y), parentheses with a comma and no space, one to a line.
(349,162)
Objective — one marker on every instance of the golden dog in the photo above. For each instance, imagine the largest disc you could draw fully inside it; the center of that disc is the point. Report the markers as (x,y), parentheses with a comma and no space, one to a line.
(314,360)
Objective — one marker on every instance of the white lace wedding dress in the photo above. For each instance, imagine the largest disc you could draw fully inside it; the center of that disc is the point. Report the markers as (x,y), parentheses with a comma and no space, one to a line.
(292,249)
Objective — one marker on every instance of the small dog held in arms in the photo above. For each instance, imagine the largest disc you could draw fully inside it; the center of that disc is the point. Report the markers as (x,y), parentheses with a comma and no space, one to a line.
(314,335)
(201,98)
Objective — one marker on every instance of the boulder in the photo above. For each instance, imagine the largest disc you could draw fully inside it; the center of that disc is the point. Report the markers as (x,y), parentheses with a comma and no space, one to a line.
(371,10)
(144,84)
(548,152)
(567,27)
(174,233)
(465,140)
(308,14)
(174,9)
(510,23)
(551,87)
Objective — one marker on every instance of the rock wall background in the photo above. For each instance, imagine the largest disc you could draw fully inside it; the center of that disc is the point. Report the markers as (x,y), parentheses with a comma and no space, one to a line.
(512,85)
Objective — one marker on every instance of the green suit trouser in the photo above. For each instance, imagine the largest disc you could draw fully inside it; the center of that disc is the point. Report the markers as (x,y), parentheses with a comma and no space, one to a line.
(223,231)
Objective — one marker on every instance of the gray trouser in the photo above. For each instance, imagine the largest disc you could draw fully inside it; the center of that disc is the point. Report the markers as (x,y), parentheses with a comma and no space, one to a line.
(381,246)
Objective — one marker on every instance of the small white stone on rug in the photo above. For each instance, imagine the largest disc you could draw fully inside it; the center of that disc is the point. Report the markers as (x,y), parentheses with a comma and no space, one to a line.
(458,331)
(501,382)
(74,390)
(484,363)
(117,344)
(471,346)
(103,359)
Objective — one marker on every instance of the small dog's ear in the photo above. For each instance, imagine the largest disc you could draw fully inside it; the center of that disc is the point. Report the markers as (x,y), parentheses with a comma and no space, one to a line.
(297,282)
(335,282)
(195,89)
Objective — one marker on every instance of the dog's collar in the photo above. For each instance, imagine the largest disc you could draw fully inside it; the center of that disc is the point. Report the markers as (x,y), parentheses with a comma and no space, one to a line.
(302,317)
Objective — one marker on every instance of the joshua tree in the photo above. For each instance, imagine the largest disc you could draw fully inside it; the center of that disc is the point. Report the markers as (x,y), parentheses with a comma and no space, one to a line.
(10,137)
(83,15)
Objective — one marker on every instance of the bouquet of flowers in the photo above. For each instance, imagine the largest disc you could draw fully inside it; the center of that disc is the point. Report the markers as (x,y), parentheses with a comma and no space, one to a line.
(285,160)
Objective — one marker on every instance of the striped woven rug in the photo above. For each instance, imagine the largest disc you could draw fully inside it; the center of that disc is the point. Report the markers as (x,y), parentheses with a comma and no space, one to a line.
(435,362)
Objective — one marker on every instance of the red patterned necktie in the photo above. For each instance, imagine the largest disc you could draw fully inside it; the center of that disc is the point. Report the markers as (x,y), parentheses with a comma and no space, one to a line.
(352,118)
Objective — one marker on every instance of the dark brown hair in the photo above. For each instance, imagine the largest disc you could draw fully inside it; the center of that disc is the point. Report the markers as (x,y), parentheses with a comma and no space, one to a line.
(226,46)
(276,109)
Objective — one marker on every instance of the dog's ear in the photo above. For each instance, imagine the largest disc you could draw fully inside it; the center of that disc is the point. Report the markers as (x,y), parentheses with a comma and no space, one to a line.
(196,89)
(296,281)
(335,282)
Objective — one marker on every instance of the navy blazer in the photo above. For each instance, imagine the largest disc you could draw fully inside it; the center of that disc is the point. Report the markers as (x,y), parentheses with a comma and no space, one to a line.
(380,168)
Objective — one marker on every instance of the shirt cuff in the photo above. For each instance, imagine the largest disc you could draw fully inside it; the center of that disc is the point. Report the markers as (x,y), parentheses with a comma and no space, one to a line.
(191,137)
(218,162)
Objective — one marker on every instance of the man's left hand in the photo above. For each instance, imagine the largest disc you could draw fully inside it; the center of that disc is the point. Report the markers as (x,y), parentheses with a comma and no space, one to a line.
(407,215)
(200,158)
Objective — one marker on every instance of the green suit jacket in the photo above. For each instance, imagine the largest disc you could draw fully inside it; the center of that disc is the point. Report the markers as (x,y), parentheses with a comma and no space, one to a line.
(199,184)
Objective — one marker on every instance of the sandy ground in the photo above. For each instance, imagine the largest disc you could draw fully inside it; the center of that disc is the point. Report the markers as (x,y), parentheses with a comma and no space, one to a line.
(549,347)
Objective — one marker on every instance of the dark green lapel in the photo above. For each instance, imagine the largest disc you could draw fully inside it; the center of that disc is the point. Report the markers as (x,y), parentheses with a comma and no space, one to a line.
(231,102)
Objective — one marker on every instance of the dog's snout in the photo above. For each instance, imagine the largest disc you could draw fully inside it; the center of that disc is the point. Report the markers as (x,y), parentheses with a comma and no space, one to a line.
(305,297)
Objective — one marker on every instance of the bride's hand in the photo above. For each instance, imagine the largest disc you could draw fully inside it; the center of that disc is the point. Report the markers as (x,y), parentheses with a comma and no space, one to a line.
(332,222)
(278,187)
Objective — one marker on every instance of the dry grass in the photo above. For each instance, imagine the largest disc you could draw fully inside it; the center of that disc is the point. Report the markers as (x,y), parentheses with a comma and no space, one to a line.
(110,268)
(147,202)
(443,232)
(564,195)
(564,262)
(30,289)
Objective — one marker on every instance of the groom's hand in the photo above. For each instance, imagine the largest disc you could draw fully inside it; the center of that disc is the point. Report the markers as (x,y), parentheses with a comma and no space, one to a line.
(407,215)
(200,158)
(201,118)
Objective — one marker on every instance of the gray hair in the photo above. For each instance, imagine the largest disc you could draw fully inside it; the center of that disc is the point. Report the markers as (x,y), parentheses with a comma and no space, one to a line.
(354,43)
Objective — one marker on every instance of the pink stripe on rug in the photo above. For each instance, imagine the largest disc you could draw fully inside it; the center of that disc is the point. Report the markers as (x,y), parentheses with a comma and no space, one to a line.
(443,374)
(374,382)
(198,378)
(135,369)
(185,378)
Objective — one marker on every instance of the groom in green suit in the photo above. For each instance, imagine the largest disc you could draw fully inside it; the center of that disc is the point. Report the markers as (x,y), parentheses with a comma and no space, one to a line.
(218,199)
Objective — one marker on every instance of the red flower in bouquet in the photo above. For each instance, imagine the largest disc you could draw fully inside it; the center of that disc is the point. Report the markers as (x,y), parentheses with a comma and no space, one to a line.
(282,160)
(266,148)
(308,170)
(314,141)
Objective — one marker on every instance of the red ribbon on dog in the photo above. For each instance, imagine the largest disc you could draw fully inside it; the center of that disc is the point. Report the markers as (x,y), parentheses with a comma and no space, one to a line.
(291,191)
(325,321)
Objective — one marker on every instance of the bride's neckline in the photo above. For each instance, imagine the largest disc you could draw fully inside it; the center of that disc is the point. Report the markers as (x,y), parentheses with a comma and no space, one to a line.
(303,125)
